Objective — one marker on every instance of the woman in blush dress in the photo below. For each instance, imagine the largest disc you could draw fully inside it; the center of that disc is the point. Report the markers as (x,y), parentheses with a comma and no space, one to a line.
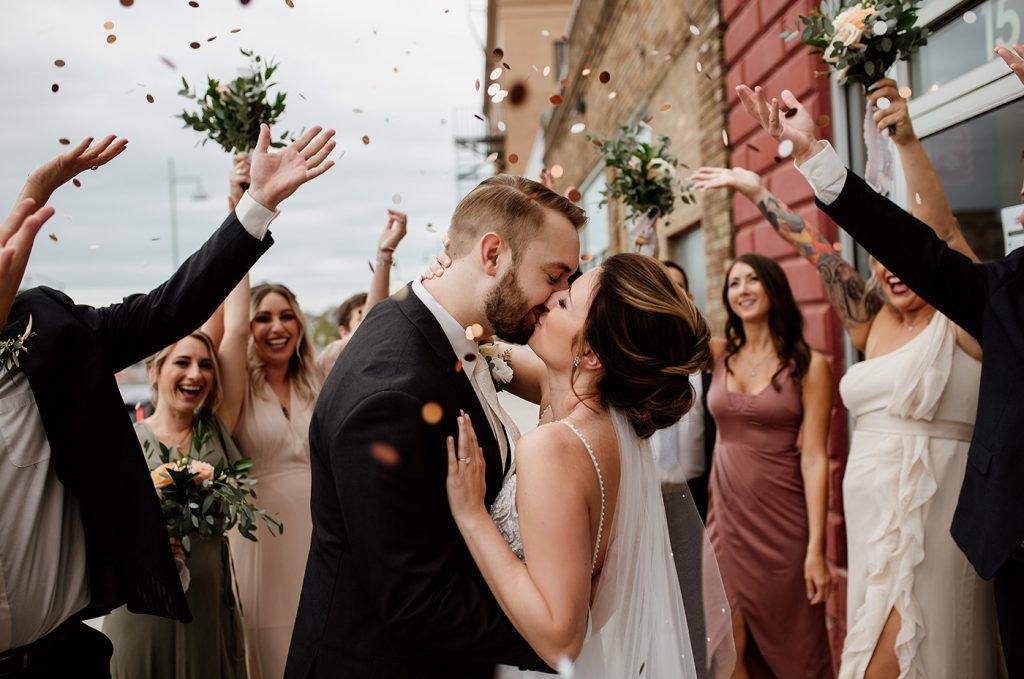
(771,396)
(187,390)
(915,606)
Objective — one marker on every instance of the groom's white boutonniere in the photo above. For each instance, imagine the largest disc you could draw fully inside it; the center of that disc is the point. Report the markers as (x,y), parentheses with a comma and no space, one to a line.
(11,349)
(498,361)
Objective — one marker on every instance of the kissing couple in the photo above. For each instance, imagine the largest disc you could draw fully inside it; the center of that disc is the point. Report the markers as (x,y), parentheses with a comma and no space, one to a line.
(436,552)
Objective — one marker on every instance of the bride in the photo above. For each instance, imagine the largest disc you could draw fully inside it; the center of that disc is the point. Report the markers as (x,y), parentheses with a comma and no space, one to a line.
(577,548)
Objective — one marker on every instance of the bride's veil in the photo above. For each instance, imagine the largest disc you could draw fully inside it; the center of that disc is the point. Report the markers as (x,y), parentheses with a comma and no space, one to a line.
(659,607)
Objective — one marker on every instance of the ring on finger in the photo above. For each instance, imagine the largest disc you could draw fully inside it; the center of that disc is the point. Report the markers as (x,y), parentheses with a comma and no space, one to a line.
(464,460)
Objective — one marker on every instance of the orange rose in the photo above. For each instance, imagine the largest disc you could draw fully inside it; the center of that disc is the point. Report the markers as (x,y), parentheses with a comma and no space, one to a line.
(160,476)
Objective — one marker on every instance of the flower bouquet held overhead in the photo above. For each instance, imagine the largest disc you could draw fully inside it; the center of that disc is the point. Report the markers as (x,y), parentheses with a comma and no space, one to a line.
(200,500)
(860,42)
(230,113)
(645,182)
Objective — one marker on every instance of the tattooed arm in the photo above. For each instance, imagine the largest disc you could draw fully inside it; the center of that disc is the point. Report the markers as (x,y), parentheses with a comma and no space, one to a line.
(856,305)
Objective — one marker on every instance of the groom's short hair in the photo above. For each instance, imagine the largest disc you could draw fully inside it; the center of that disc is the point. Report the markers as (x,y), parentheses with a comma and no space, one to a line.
(512,207)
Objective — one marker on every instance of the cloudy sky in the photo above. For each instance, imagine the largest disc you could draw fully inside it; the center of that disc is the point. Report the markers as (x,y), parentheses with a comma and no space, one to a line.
(394,70)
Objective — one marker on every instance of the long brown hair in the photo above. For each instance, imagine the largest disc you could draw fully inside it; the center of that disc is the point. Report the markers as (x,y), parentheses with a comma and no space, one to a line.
(302,371)
(785,322)
(155,362)
(649,338)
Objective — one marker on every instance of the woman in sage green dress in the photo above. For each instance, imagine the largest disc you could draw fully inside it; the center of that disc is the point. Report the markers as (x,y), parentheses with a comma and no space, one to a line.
(188,388)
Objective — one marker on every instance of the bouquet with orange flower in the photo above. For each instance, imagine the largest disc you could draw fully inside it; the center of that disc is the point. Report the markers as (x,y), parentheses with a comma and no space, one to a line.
(200,499)
(861,41)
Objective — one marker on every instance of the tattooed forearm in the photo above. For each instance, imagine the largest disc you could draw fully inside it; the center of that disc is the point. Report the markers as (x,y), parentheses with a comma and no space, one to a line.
(850,297)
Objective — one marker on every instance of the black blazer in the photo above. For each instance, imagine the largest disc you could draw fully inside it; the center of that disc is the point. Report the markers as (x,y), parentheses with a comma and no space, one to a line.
(70,365)
(390,588)
(986,300)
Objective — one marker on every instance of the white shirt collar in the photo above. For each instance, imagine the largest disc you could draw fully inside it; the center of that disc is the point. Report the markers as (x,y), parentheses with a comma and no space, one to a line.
(455,333)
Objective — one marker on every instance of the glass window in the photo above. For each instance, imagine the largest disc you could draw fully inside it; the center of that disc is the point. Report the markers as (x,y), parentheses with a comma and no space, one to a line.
(687,250)
(966,41)
(595,240)
(979,164)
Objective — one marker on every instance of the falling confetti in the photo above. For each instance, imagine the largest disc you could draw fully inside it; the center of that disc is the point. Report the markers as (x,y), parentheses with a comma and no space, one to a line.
(725,137)
(649,118)
(545,33)
(430,228)
(458,366)
(385,454)
(77,183)
(970,17)
(193,3)
(235,30)
(474,332)
(291,5)
(906,92)
(546,72)
(665,107)
(149,98)
(396,199)
(431,412)
(366,140)
(604,77)
(476,85)
(479,117)
(880,28)
(194,45)
(108,25)
(127,3)
(586,257)
(577,128)
(785,148)
(111,39)
(837,246)
(63,141)
(498,53)
(513,158)
(59,63)
(823,120)
(493,89)
(883,103)
(341,155)
(54,87)
(357,110)
(168,63)
(585,73)
(556,99)
(753,148)
(211,38)
(700,67)
(613,94)
(495,74)
(598,143)
(94,247)
(492,157)
(694,30)
(917,198)
(557,171)
(573,194)
(53,237)
(507,67)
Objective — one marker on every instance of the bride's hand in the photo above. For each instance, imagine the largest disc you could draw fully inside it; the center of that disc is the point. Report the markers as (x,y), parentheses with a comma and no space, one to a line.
(442,261)
(466,485)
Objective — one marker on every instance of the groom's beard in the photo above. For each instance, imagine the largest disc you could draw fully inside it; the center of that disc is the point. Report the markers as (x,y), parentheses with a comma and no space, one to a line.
(506,309)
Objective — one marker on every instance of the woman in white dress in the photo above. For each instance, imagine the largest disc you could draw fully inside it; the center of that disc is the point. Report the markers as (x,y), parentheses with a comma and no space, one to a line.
(578,552)
(915,606)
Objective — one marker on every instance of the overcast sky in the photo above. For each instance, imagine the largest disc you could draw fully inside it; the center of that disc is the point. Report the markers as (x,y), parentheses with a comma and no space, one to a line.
(114,232)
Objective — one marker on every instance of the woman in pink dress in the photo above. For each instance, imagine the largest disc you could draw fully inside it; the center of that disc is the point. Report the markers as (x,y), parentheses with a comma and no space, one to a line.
(771,396)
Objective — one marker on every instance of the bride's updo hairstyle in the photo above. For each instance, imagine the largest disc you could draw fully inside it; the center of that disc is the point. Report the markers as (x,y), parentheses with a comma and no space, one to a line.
(649,338)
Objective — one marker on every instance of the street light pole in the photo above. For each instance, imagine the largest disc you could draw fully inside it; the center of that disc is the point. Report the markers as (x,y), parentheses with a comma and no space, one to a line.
(173,181)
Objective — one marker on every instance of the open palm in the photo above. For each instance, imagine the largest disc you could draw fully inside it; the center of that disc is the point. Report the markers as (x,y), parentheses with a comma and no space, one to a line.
(794,125)
(86,155)
(746,182)
(275,176)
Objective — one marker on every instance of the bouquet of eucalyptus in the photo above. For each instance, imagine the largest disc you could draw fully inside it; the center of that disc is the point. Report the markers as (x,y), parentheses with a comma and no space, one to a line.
(204,500)
(861,41)
(230,113)
(644,180)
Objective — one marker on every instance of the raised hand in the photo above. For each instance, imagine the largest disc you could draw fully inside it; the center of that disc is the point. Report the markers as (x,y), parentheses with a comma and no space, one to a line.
(275,176)
(393,232)
(746,182)
(795,125)
(54,173)
(1014,59)
(441,262)
(895,117)
(466,480)
(17,234)
(547,179)
(238,180)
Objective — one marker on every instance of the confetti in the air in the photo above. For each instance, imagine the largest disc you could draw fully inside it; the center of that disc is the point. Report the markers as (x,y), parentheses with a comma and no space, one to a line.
(694,30)
(598,143)
(290,4)
(168,63)
(700,67)
(111,39)
(59,63)
(557,171)
(665,107)
(577,128)
(880,28)
(906,92)
(785,148)
(970,17)
(556,99)
(64,141)
(493,89)
(613,94)
(823,120)
(431,413)
(546,72)
(495,74)
(573,194)
(385,454)
(492,157)
(108,25)
(54,87)
(194,45)
(476,85)
(883,103)
(586,257)
(149,98)
(545,33)
(837,246)
(366,140)
(725,137)
(77,183)
(498,53)
(917,198)
(474,332)
(604,77)
(53,237)
(513,158)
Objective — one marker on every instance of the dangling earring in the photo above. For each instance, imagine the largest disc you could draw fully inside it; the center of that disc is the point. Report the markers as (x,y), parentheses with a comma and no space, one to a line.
(576,362)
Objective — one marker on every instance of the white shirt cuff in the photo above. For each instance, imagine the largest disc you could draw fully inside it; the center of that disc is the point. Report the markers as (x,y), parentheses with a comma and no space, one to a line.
(826,174)
(254,217)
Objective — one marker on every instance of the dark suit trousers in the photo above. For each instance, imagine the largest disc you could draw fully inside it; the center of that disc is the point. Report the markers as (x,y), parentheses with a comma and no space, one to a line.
(1009,585)
(80,651)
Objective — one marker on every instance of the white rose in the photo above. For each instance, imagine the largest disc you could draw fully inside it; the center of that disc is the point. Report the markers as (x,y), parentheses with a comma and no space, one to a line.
(634,162)
(659,168)
(501,371)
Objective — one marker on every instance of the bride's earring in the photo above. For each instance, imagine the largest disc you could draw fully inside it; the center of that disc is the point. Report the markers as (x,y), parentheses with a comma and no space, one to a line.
(576,362)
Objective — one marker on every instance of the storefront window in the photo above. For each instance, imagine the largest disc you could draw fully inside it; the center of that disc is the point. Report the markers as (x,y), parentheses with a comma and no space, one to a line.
(980,167)
(687,250)
(595,240)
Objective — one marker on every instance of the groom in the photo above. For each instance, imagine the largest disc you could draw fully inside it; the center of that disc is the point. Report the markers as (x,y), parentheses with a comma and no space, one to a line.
(390,589)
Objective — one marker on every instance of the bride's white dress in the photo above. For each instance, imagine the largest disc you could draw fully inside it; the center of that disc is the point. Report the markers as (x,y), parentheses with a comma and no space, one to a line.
(637,626)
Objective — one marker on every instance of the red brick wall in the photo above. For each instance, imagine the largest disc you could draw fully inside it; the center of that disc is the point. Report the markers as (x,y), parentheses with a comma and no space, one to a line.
(756,55)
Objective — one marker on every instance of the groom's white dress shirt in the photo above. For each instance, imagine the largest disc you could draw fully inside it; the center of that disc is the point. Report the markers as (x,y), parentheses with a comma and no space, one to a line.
(43,567)
(464,348)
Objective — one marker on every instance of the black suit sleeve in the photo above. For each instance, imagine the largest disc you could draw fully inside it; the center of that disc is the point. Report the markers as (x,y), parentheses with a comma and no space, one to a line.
(389,468)
(946,279)
(143,324)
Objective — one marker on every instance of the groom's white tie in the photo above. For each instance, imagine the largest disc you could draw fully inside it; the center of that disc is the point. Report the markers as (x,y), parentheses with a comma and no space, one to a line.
(496,415)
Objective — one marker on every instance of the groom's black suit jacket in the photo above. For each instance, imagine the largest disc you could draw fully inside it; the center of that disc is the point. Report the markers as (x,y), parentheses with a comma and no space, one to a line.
(390,588)
(70,365)
(986,300)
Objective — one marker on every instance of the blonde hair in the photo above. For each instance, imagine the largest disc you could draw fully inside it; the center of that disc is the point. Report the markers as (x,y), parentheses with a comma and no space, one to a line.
(156,362)
(512,207)
(302,370)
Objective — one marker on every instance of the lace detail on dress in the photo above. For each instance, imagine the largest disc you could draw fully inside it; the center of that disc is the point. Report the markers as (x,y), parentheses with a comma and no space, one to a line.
(506,518)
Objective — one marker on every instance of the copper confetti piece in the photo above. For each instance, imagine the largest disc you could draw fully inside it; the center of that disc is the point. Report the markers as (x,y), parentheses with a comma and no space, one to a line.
(54,87)
(598,143)
(53,237)
(906,92)
(649,118)
(513,158)
(586,257)
(235,30)
(127,3)
(823,120)
(458,366)
(474,332)
(291,5)
(108,25)
(384,454)
(837,246)
(498,54)
(111,39)
(557,171)
(665,107)
(396,199)
(168,63)
(193,3)
(149,98)
(507,67)
(479,117)
(573,194)
(604,77)
(63,141)
(476,85)
(366,140)
(492,157)
(194,45)
(556,99)
(564,83)
(211,38)
(59,63)
(77,183)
